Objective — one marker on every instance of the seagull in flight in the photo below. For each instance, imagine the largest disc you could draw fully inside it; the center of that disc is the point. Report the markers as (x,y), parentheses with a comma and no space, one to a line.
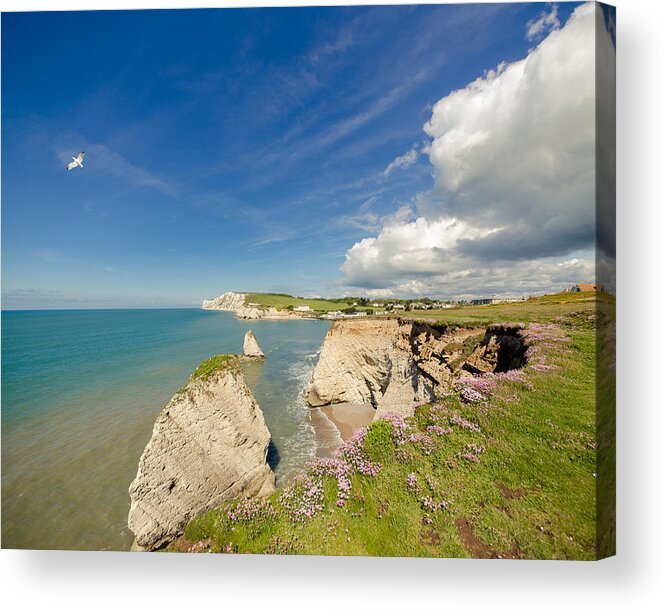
(77,161)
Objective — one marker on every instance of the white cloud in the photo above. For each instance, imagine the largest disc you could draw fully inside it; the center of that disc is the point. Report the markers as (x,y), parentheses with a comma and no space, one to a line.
(47,255)
(386,102)
(518,145)
(546,21)
(402,162)
(514,166)
(494,279)
(405,248)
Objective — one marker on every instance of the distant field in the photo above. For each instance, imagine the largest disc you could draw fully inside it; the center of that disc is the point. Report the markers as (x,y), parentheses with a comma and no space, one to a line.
(540,309)
(280,301)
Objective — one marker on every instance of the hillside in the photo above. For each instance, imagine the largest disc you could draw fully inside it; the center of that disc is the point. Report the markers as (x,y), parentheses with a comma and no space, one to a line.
(282,301)
(502,466)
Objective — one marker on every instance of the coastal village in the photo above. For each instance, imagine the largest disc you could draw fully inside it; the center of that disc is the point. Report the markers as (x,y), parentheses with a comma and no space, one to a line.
(278,306)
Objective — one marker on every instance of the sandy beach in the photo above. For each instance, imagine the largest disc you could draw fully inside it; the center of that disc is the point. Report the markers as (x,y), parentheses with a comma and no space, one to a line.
(334,424)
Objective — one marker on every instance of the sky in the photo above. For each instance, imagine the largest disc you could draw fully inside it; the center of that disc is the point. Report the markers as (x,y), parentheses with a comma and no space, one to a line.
(401,151)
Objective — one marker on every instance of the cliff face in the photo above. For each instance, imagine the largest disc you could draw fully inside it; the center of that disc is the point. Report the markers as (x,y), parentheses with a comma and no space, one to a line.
(268,313)
(235,301)
(229,301)
(395,364)
(208,445)
(364,361)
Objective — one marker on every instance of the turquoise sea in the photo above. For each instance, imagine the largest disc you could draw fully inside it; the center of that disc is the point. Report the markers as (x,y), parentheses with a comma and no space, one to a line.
(80,393)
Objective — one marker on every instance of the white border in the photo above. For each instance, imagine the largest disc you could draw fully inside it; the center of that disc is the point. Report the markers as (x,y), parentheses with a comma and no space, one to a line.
(62,579)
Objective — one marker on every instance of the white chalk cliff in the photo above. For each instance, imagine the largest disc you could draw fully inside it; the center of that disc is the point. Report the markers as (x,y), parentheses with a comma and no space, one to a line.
(395,364)
(235,301)
(251,347)
(229,301)
(208,445)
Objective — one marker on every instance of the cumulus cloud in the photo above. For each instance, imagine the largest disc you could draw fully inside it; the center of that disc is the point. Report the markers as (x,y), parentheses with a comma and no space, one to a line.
(513,155)
(403,248)
(546,21)
(402,162)
(498,279)
(518,144)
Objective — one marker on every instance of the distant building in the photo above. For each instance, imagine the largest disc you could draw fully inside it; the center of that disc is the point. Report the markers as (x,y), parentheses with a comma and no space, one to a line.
(302,308)
(497,301)
(376,304)
(398,306)
(585,288)
(481,301)
(335,315)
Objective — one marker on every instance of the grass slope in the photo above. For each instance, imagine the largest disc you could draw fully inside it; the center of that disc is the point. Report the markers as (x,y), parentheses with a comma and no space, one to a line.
(206,369)
(280,301)
(539,309)
(504,466)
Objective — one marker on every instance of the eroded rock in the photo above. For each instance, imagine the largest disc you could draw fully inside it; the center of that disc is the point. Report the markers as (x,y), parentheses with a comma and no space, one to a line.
(395,364)
(208,445)
(251,347)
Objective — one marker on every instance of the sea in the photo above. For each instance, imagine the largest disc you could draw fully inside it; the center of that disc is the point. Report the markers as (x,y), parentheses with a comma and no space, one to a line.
(80,393)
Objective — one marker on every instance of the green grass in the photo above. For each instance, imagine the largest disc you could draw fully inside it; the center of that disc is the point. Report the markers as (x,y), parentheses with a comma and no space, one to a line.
(210,366)
(540,309)
(280,301)
(530,495)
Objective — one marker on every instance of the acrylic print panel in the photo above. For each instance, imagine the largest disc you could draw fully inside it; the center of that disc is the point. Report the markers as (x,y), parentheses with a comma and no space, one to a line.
(326,280)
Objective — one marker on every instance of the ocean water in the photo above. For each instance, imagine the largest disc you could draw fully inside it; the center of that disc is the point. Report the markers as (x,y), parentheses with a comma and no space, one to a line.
(80,393)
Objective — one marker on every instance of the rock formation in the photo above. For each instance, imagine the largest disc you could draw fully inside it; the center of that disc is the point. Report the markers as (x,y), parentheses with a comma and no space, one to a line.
(229,301)
(257,313)
(361,362)
(208,445)
(235,301)
(269,313)
(251,347)
(395,364)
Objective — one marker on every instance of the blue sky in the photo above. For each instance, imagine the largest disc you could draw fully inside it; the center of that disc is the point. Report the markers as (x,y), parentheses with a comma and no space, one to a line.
(260,149)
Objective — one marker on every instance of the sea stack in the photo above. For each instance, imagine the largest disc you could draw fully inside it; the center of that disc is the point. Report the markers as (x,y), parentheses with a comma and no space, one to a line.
(208,445)
(251,347)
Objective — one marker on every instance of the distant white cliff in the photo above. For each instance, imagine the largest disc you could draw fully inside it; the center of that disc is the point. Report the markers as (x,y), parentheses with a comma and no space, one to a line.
(235,301)
(229,301)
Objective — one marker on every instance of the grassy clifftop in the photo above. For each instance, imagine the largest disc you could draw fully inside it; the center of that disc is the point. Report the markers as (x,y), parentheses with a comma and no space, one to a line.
(206,369)
(539,309)
(281,301)
(503,466)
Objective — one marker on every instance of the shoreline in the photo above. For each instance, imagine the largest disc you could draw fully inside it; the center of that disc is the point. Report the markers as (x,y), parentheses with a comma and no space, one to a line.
(335,423)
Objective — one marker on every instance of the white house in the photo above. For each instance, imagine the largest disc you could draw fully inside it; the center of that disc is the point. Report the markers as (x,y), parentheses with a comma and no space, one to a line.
(302,308)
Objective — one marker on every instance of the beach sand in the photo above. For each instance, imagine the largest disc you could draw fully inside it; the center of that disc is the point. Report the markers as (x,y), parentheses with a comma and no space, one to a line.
(334,424)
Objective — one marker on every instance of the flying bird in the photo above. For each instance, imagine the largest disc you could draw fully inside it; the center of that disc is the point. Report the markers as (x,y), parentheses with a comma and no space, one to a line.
(77,161)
